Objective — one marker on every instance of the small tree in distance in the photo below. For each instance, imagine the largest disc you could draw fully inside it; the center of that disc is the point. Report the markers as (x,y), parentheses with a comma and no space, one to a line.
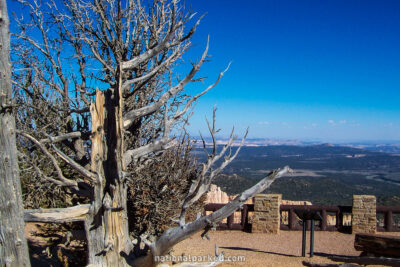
(98,102)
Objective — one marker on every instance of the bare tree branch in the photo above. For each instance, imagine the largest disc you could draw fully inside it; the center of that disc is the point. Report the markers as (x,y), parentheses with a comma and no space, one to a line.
(45,177)
(159,145)
(164,44)
(134,114)
(72,214)
(202,183)
(88,174)
(60,138)
(176,54)
(65,181)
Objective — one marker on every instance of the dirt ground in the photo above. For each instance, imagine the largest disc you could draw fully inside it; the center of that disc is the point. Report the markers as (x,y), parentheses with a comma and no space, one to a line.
(48,248)
(242,248)
(283,249)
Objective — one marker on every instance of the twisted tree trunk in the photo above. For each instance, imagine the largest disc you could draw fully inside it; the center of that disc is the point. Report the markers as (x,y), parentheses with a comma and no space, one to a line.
(13,246)
(107,225)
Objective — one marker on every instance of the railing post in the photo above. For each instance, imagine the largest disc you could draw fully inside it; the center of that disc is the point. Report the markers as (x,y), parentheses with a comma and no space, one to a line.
(303,240)
(389,221)
(324,222)
(229,221)
(340,219)
(337,224)
(312,238)
(244,214)
(292,219)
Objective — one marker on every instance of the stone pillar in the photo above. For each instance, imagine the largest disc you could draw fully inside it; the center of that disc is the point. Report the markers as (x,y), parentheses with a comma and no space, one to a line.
(266,213)
(364,214)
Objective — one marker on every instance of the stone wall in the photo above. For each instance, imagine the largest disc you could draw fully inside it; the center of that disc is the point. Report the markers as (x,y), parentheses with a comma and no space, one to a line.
(266,213)
(364,214)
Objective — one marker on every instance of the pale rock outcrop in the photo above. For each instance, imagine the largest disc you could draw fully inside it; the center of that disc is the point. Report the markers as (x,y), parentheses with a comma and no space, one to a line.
(216,195)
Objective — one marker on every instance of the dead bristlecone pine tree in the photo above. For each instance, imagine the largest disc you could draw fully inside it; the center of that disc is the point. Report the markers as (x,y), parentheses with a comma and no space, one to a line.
(13,246)
(98,101)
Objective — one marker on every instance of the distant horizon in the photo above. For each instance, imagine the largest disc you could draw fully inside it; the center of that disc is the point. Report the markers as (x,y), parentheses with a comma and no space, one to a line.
(316,141)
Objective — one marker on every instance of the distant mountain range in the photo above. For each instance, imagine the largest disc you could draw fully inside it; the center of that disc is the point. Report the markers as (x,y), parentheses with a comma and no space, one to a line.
(387,148)
(379,146)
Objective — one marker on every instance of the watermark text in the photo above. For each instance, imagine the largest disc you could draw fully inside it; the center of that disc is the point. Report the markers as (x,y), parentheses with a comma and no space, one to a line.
(203,258)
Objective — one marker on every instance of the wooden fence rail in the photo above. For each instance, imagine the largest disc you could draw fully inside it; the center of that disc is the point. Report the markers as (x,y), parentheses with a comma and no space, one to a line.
(389,224)
(230,225)
(293,222)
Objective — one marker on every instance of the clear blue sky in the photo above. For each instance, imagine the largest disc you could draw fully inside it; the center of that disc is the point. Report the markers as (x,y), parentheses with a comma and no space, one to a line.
(319,70)
(324,70)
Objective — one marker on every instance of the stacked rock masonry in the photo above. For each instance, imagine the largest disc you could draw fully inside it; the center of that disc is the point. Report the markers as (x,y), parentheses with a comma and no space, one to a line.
(364,214)
(266,213)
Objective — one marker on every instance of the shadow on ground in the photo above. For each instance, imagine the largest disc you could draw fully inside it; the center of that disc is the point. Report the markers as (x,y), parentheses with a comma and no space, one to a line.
(259,251)
(48,247)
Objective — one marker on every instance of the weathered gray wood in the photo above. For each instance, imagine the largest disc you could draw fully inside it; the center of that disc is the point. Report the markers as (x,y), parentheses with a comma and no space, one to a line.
(61,138)
(368,260)
(13,245)
(107,227)
(378,244)
(71,214)
(94,226)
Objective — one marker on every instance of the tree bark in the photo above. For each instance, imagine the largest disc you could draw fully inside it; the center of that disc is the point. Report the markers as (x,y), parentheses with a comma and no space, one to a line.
(107,226)
(13,245)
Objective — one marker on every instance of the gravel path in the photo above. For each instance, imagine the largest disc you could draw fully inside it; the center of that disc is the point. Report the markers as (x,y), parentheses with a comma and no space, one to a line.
(283,249)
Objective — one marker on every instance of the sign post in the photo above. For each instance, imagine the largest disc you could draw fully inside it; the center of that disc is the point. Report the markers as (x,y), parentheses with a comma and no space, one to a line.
(306,215)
